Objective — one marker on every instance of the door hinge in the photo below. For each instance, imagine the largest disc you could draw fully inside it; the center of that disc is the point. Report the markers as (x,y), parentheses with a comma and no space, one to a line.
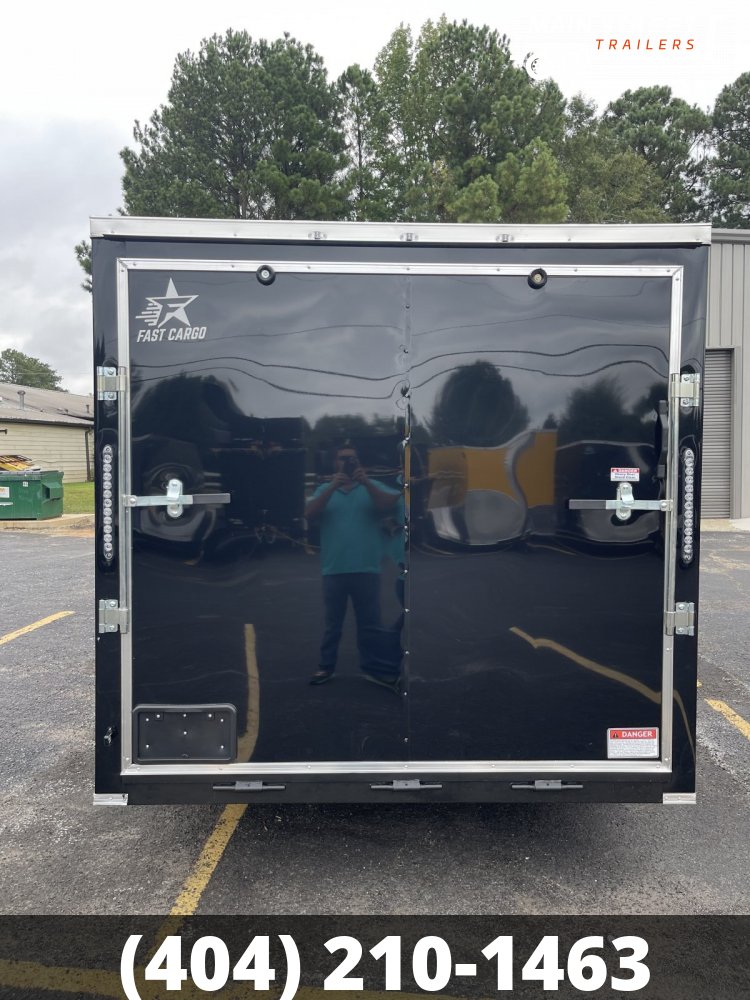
(681,621)
(112,617)
(686,388)
(109,381)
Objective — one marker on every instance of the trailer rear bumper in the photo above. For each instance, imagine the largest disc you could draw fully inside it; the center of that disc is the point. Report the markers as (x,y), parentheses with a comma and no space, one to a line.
(145,790)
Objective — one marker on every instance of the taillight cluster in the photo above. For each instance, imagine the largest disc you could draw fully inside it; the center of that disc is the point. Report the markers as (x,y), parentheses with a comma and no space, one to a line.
(108,494)
(688,505)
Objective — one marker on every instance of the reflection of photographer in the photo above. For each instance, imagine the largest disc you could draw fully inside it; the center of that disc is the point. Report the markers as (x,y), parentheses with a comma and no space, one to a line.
(350,510)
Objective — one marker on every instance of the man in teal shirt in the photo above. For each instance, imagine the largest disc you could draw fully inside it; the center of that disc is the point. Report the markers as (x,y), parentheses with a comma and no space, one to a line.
(350,510)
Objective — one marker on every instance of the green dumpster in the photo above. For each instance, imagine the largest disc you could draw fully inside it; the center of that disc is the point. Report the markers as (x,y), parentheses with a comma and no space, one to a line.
(31,495)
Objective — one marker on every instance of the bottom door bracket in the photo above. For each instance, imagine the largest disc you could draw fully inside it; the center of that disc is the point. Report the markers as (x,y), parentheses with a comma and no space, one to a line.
(406,785)
(555,785)
(249,786)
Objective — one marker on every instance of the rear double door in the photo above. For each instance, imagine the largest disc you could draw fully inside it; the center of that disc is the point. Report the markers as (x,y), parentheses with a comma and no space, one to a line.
(522,628)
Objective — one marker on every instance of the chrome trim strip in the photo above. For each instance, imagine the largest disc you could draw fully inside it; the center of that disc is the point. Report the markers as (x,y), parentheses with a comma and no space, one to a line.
(125,533)
(492,234)
(376,267)
(103,799)
(670,524)
(679,798)
(357,769)
(675,331)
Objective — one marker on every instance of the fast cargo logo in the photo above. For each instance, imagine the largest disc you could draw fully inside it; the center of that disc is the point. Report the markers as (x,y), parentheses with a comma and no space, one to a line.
(170,308)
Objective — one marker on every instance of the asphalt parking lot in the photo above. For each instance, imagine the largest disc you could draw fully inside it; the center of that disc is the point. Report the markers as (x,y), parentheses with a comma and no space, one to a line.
(61,855)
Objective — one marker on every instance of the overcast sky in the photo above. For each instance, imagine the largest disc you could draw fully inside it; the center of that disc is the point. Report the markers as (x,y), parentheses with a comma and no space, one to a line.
(74,76)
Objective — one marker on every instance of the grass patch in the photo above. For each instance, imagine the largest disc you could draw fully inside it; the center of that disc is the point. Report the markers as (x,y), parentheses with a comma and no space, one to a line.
(78,498)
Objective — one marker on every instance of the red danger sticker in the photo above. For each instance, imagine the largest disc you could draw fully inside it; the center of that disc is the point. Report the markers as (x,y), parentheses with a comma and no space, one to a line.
(630,744)
(624,475)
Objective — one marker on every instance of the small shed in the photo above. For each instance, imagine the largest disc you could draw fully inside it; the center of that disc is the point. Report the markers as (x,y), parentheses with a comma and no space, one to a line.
(51,427)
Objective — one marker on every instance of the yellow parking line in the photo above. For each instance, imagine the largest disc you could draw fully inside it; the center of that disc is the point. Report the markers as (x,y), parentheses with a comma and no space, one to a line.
(35,625)
(101,983)
(86,982)
(188,900)
(731,716)
(195,884)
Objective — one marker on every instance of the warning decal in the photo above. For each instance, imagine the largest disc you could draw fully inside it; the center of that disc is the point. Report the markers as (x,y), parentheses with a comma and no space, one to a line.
(624,475)
(632,744)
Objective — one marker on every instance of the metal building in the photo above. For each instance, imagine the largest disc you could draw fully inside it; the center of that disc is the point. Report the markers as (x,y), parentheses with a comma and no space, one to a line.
(726,463)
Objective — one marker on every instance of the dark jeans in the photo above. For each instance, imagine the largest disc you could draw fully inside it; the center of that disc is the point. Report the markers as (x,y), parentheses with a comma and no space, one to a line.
(364,591)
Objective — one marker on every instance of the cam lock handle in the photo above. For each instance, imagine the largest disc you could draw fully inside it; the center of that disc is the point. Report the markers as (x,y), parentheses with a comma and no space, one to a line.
(623,505)
(174,499)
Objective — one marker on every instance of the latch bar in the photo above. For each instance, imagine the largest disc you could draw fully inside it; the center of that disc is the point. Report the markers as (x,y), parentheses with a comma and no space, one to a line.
(174,499)
(624,503)
(681,621)
(178,498)
(112,617)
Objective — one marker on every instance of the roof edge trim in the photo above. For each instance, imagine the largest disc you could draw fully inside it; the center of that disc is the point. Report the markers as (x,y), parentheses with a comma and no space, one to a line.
(132,227)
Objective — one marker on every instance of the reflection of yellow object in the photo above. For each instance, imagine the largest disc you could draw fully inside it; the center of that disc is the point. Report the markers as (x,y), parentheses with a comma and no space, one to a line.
(619,676)
(485,470)
(535,469)
(246,743)
(529,459)
(447,470)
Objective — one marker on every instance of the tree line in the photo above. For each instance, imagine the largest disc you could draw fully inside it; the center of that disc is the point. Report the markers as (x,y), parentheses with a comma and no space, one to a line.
(443,128)
(18,368)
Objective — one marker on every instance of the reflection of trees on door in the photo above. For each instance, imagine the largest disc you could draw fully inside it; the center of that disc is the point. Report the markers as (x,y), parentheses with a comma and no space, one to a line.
(477,407)
(597,412)
(197,408)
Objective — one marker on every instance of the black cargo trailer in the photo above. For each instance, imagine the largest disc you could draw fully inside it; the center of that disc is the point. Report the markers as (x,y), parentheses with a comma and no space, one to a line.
(396,512)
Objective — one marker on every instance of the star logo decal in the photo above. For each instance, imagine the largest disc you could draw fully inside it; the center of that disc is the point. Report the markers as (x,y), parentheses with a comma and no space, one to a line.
(162,308)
